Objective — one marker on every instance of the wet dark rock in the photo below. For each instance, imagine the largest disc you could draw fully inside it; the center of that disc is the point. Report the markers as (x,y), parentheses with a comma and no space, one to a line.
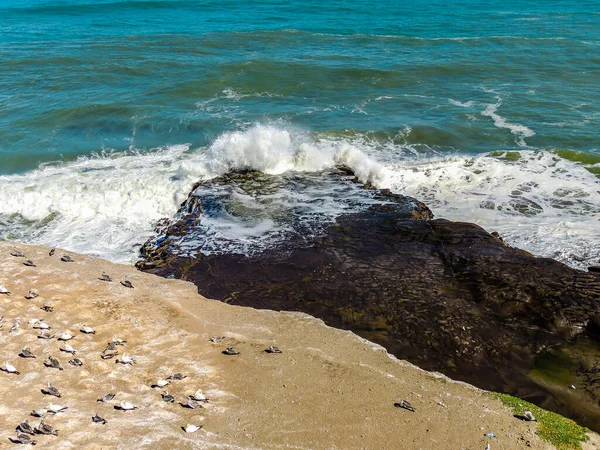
(447,296)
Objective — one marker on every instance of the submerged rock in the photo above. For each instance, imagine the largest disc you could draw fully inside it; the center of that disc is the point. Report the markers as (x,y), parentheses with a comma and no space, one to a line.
(447,296)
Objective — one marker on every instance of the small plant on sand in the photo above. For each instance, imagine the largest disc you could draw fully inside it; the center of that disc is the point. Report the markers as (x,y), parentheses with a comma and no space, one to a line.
(561,432)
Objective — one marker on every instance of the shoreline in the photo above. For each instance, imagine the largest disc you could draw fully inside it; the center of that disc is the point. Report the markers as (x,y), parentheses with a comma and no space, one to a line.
(328,389)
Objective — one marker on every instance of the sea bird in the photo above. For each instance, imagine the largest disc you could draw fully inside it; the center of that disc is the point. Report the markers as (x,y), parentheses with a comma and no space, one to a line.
(47,308)
(272,349)
(55,409)
(51,252)
(66,258)
(26,353)
(25,427)
(45,335)
(199,396)
(126,406)
(87,330)
(161,383)
(97,419)
(404,404)
(127,360)
(106,398)
(53,363)
(68,349)
(230,351)
(189,428)
(43,428)
(29,263)
(105,277)
(127,283)
(31,294)
(66,336)
(23,438)
(9,368)
(17,253)
(4,290)
(177,376)
(15,326)
(51,390)
(167,397)
(76,362)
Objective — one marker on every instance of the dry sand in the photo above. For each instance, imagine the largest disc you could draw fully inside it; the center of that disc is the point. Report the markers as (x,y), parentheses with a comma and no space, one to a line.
(329,389)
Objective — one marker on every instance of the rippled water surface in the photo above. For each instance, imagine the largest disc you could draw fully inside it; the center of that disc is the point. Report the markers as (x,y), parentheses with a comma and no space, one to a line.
(487,111)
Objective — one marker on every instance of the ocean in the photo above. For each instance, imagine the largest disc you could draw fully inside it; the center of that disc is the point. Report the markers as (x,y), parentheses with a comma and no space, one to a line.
(110,111)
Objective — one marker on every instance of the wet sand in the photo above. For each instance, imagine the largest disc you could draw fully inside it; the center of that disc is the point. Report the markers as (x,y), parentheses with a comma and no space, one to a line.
(329,389)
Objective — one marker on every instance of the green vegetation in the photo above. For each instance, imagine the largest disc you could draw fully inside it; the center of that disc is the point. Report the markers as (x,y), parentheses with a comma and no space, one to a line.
(507,156)
(554,428)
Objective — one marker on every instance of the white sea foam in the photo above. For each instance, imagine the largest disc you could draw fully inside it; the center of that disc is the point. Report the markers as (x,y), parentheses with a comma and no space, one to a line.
(541,203)
(106,205)
(521,131)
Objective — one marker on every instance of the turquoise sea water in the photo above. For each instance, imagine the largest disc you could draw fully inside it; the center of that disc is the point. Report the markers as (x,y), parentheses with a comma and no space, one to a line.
(111,110)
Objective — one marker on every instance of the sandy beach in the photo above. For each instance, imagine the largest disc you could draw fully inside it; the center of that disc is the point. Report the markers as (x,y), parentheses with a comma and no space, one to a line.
(328,389)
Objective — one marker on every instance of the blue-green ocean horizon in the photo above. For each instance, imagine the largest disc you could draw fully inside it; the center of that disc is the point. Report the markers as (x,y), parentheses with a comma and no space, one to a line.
(111,110)
(81,77)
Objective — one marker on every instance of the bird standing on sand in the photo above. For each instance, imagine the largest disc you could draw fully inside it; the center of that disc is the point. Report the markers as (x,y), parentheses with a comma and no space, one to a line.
(199,396)
(41,412)
(126,360)
(4,290)
(44,428)
(177,376)
(106,398)
(273,349)
(190,428)
(97,419)
(527,415)
(51,252)
(31,294)
(53,363)
(127,283)
(23,438)
(25,427)
(68,349)
(76,362)
(87,330)
(65,336)
(9,368)
(47,308)
(26,353)
(45,335)
(404,404)
(29,263)
(51,390)
(55,409)
(167,397)
(15,326)
(230,351)
(126,406)
(41,325)
(105,277)
(192,404)
(17,253)
(161,383)
(66,258)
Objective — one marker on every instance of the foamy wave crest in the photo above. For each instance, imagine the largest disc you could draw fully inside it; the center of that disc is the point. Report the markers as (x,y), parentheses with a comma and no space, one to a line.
(107,205)
(536,200)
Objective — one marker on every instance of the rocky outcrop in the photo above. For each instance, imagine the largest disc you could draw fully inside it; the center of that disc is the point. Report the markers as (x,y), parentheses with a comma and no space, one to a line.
(447,296)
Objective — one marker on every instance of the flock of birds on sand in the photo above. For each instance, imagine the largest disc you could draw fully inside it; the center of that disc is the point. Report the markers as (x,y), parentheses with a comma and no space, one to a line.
(25,432)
